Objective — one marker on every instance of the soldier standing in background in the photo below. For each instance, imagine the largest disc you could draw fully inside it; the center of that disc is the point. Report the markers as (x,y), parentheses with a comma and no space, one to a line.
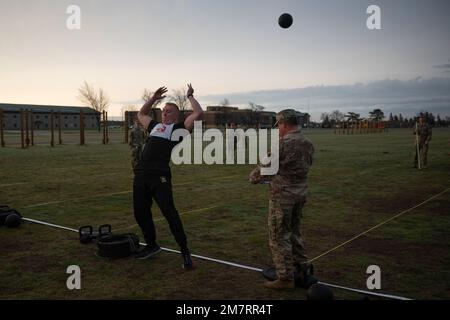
(422,131)
(137,140)
(287,197)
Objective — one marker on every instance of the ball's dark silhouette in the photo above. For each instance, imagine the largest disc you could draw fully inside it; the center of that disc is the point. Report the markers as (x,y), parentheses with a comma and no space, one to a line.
(319,291)
(13,220)
(285,20)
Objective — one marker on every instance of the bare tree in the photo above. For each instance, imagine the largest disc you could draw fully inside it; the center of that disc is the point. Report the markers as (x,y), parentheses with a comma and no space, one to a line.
(225,102)
(130,107)
(179,98)
(324,115)
(336,116)
(255,107)
(96,100)
(147,94)
(256,113)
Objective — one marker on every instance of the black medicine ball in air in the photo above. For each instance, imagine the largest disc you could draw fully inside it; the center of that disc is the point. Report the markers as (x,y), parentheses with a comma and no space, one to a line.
(285,20)
(13,220)
(319,291)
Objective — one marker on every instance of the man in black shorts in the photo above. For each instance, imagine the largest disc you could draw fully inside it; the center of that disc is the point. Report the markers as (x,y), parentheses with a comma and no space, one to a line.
(152,176)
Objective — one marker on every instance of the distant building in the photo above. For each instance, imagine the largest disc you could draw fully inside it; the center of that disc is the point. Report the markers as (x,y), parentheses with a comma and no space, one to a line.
(70,116)
(231,117)
(225,117)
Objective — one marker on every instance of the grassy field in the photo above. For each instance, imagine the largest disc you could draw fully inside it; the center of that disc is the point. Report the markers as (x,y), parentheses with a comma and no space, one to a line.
(356,182)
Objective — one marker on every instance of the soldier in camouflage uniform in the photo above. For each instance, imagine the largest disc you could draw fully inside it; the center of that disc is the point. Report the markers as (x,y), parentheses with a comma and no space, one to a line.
(423,132)
(137,140)
(287,197)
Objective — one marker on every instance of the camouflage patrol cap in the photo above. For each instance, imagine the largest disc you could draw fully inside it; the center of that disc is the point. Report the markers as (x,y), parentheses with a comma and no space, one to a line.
(286,114)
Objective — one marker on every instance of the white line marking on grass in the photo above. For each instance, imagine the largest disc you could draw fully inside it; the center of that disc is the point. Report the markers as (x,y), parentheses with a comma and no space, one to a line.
(237,265)
(382,295)
(49,224)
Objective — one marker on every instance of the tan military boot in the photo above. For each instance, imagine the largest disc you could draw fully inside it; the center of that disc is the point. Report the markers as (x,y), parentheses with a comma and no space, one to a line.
(280,284)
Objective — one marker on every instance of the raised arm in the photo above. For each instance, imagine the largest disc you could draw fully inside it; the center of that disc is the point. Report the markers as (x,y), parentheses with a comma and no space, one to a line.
(144,113)
(197,110)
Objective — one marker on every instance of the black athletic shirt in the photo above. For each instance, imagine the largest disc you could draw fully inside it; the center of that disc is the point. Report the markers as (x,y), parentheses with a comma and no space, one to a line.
(157,149)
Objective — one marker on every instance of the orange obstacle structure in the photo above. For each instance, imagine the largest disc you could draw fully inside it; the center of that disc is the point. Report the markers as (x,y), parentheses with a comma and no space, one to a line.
(360,127)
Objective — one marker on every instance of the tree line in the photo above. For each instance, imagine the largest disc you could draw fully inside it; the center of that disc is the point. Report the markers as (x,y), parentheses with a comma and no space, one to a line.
(333,118)
(398,121)
(99,101)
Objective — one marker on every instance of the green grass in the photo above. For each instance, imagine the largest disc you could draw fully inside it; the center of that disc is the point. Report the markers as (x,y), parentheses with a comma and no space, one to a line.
(356,182)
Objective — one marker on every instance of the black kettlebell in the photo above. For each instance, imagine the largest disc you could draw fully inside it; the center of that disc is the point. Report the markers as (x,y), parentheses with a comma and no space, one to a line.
(85,238)
(104,230)
(85,234)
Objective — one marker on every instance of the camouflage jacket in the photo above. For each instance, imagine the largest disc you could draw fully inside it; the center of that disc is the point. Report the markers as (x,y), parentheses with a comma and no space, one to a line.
(137,137)
(424,133)
(295,159)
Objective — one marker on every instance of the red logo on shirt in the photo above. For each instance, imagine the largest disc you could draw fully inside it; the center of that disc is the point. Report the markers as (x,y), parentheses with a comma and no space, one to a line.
(162,128)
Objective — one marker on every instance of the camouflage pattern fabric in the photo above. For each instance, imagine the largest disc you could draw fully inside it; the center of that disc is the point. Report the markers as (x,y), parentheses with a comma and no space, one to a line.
(425,133)
(137,140)
(285,239)
(287,196)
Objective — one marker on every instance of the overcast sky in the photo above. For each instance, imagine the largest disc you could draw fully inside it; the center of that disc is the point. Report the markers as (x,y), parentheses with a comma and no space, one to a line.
(231,49)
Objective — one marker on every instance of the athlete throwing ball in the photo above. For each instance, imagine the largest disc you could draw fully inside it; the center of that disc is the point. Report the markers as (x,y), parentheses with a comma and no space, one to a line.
(152,175)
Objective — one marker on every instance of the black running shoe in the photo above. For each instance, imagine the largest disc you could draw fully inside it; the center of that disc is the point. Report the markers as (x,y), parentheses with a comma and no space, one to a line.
(187,260)
(148,251)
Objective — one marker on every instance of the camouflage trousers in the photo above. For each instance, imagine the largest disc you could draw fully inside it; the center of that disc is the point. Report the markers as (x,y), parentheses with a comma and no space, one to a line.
(285,239)
(135,155)
(423,151)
